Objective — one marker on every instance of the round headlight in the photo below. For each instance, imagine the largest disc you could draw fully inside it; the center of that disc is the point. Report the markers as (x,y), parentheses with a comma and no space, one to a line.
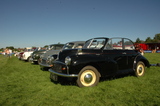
(50,59)
(67,60)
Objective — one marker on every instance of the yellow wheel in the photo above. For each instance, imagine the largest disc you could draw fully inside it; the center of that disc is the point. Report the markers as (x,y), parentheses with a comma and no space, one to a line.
(140,69)
(88,76)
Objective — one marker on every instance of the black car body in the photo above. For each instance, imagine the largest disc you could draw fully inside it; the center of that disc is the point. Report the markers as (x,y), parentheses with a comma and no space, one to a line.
(99,57)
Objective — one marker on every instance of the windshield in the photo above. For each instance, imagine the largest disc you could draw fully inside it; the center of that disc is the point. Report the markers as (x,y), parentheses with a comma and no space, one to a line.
(94,43)
(68,46)
(57,47)
(27,50)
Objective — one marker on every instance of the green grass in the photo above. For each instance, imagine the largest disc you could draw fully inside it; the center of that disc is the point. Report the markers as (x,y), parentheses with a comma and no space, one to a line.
(22,83)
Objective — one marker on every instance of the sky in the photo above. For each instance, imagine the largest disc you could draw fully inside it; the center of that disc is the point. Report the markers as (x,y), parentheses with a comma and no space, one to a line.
(28,23)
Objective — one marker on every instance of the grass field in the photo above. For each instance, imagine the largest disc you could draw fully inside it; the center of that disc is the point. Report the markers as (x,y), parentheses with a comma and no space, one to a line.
(23,83)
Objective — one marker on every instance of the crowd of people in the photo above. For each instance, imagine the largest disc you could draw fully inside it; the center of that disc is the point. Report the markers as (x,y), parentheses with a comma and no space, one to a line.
(7,52)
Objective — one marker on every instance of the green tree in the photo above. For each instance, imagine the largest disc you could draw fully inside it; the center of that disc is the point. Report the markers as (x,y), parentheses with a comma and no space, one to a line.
(148,40)
(10,47)
(45,46)
(157,38)
(138,40)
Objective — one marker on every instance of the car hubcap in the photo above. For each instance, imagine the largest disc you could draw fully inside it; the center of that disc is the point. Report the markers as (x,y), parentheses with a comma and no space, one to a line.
(88,78)
(140,70)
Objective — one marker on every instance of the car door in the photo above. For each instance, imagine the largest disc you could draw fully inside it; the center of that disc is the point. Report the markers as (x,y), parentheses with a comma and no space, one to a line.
(131,53)
(115,56)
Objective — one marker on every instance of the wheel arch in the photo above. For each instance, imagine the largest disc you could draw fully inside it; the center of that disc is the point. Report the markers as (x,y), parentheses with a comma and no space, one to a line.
(95,66)
(143,59)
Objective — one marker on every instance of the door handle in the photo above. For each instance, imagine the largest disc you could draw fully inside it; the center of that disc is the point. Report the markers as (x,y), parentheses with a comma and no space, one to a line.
(124,53)
(98,54)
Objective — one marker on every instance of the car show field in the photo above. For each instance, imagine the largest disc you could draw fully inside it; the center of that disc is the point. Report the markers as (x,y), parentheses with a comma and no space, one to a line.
(23,83)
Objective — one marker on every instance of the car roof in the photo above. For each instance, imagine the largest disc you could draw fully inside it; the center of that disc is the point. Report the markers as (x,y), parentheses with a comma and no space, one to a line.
(56,44)
(77,42)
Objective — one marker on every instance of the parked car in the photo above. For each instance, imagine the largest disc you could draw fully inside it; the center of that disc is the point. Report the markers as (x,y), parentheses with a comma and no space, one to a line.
(99,57)
(20,55)
(35,56)
(69,45)
(26,55)
(53,51)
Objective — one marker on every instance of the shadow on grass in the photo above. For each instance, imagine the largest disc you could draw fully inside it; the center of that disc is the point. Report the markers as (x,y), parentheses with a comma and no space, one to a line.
(44,68)
(72,81)
(65,81)
(115,77)
(34,63)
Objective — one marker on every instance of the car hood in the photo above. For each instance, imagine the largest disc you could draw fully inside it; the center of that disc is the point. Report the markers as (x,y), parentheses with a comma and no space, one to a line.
(40,51)
(68,52)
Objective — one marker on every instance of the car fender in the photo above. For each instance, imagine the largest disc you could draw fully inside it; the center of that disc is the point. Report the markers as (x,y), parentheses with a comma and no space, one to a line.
(140,58)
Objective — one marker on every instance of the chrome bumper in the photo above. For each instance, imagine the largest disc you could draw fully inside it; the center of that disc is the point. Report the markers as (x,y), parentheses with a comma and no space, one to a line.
(61,74)
(44,65)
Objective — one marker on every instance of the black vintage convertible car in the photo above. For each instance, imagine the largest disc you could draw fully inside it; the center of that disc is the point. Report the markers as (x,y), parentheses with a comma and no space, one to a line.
(99,57)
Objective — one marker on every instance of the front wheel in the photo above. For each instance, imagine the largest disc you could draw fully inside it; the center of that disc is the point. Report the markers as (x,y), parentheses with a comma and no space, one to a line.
(140,69)
(88,77)
(29,59)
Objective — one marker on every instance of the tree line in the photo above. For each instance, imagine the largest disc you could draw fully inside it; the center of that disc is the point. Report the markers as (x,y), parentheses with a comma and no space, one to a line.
(156,39)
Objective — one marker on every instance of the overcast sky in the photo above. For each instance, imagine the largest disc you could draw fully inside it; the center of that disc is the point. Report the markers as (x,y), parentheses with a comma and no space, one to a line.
(27,23)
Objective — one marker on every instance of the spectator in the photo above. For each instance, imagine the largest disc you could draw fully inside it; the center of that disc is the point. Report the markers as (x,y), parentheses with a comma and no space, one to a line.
(7,52)
(10,53)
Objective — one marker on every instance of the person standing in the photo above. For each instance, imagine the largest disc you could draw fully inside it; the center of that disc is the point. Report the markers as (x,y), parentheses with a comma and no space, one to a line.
(10,53)
(7,52)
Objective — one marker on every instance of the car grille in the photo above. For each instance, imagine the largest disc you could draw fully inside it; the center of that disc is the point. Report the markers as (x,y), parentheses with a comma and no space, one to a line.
(57,68)
(43,61)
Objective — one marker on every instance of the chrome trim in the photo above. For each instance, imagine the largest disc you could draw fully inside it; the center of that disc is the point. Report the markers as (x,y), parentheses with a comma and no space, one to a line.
(44,65)
(59,62)
(61,74)
(88,78)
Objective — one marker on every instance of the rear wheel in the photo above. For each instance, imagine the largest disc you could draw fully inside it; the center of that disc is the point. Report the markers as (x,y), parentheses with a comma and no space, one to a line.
(140,69)
(88,77)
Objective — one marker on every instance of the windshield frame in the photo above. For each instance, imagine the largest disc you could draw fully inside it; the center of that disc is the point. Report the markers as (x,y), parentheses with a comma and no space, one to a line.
(94,43)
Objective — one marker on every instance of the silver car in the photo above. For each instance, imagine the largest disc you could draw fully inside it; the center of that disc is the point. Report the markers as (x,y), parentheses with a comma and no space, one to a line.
(47,58)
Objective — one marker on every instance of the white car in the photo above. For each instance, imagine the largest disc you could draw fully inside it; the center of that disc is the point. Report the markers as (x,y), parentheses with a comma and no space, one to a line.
(27,54)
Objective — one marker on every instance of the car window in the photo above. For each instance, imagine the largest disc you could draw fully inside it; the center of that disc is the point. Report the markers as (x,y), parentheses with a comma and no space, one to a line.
(79,46)
(58,47)
(109,45)
(68,46)
(119,43)
(128,44)
(94,44)
(115,43)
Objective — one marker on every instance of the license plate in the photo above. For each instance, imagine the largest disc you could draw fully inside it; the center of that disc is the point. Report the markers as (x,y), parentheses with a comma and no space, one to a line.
(54,77)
